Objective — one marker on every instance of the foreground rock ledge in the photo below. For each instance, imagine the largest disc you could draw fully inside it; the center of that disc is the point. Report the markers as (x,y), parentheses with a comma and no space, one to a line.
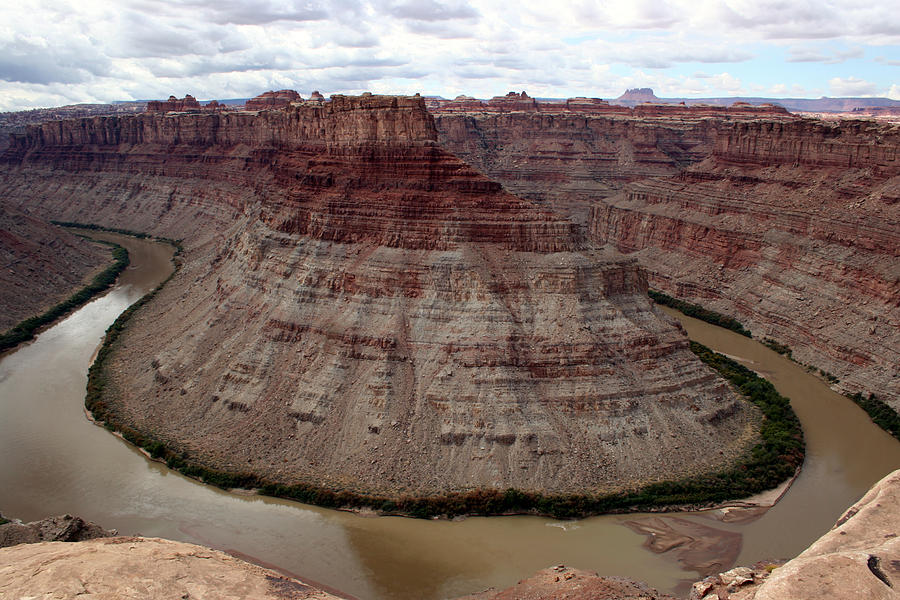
(63,528)
(858,558)
(132,567)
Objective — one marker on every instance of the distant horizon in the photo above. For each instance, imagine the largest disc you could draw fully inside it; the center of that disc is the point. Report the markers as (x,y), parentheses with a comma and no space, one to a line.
(306,95)
(56,54)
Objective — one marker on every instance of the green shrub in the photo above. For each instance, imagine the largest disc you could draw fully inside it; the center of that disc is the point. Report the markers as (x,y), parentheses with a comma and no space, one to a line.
(698,312)
(782,349)
(26,330)
(881,413)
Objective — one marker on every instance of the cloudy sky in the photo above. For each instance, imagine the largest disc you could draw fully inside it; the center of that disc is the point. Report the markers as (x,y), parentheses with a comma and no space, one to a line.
(58,52)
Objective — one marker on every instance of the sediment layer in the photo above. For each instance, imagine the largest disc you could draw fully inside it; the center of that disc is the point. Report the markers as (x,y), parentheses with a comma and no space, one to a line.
(360,309)
(794,229)
(790,225)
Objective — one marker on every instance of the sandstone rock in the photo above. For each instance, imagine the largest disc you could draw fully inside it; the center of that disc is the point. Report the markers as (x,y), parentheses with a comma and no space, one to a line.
(736,577)
(273,100)
(65,528)
(173,104)
(513,102)
(858,558)
(789,227)
(570,155)
(139,569)
(635,96)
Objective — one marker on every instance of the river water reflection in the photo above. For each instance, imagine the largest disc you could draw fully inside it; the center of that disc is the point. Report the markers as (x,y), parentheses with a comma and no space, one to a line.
(53,461)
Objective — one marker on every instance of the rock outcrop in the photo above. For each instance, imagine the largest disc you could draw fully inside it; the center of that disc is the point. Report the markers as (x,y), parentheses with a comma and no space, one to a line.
(569,157)
(64,528)
(174,104)
(572,584)
(858,558)
(636,96)
(41,265)
(790,225)
(361,310)
(272,100)
(140,568)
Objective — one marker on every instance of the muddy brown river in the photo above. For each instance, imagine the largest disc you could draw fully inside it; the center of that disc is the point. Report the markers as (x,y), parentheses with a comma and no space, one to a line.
(54,461)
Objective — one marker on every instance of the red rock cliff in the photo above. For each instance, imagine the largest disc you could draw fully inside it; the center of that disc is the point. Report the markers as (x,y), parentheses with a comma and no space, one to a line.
(788,224)
(794,228)
(569,158)
(360,309)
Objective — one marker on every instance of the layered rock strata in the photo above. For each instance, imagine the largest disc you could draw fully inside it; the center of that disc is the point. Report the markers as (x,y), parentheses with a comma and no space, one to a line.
(794,229)
(270,100)
(360,309)
(174,104)
(790,225)
(569,158)
(41,265)
(522,102)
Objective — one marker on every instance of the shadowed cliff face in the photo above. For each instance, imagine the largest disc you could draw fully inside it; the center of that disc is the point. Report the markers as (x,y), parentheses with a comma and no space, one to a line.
(42,265)
(359,308)
(790,225)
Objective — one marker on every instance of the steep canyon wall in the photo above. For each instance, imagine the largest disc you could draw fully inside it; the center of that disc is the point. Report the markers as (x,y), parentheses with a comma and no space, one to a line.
(792,228)
(41,265)
(360,309)
(790,225)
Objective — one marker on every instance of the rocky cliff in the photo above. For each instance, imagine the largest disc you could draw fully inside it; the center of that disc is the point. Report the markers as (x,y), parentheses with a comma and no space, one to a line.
(269,100)
(41,265)
(63,528)
(793,228)
(790,225)
(360,309)
(567,159)
(858,558)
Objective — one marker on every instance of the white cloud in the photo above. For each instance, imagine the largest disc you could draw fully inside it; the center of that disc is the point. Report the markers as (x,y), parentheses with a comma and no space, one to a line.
(852,86)
(58,51)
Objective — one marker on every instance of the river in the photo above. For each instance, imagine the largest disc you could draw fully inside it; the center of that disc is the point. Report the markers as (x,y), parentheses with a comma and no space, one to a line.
(55,461)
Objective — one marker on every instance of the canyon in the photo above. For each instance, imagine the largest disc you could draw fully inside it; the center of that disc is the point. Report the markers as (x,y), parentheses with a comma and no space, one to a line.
(361,310)
(362,302)
(790,225)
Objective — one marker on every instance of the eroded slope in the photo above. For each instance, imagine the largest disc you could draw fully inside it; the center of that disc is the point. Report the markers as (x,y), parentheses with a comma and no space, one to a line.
(360,309)
(790,225)
(41,265)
